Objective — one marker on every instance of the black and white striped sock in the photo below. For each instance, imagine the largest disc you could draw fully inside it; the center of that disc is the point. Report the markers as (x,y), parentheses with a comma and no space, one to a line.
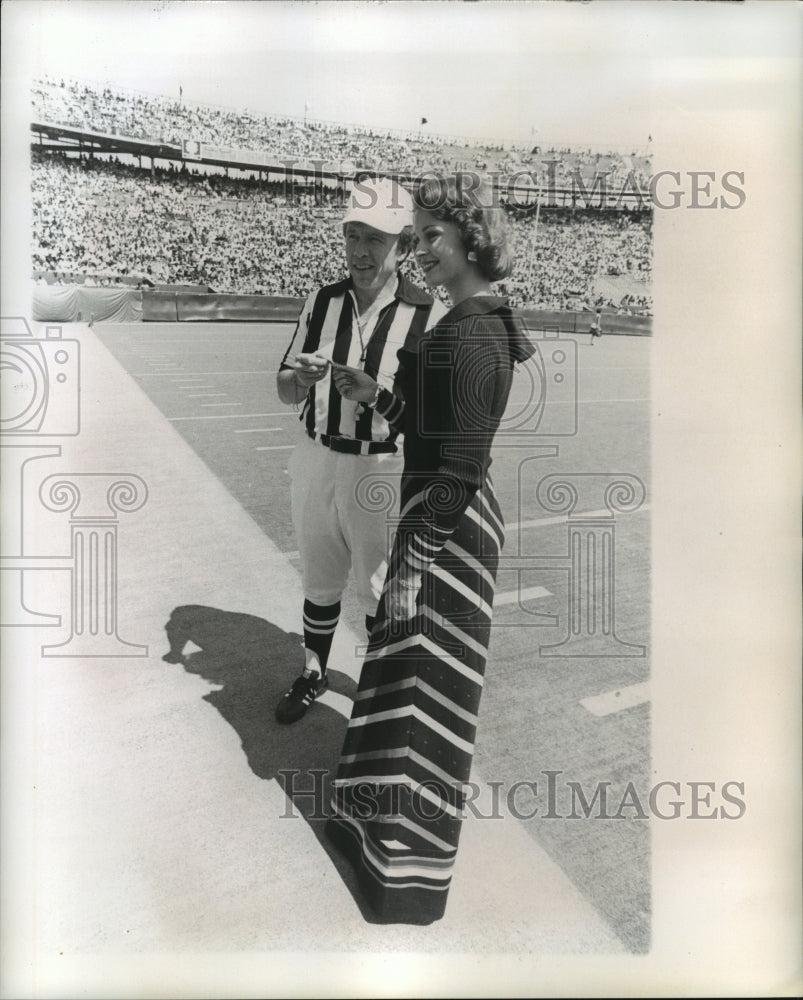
(320,622)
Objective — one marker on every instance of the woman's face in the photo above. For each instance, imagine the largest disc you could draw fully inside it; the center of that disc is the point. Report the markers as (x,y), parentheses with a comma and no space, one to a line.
(439,250)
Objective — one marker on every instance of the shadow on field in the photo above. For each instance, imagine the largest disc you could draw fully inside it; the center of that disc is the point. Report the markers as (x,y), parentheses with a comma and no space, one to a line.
(254,662)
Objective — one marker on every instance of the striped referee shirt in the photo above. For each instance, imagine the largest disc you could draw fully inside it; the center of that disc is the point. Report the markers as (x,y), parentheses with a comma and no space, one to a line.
(330,323)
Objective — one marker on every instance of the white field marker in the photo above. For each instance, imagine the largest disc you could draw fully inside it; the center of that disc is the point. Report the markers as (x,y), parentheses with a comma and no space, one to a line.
(524,594)
(616,701)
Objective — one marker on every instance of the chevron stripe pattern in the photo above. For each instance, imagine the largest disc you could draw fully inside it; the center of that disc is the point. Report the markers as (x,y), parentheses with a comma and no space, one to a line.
(398,795)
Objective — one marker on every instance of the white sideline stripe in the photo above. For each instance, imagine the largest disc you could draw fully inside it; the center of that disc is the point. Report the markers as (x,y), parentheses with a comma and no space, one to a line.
(195,378)
(220,404)
(204,395)
(617,701)
(223,416)
(273,447)
(542,521)
(255,430)
(515,596)
(338,702)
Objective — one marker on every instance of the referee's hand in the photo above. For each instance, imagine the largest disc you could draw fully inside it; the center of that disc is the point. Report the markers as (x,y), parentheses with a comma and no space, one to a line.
(309,369)
(353,383)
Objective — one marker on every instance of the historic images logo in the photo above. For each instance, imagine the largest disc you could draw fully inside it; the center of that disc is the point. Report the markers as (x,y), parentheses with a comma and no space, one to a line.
(550,796)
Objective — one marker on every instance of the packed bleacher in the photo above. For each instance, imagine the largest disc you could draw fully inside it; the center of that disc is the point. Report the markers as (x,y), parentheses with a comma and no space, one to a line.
(97,220)
(144,116)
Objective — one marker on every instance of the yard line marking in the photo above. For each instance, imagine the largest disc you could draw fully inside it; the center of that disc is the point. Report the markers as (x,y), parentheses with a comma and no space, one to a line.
(204,395)
(537,523)
(517,596)
(224,416)
(255,430)
(540,522)
(616,701)
(220,404)
(273,447)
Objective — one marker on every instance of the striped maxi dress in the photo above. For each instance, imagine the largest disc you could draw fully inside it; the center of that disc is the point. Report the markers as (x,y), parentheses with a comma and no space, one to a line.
(398,797)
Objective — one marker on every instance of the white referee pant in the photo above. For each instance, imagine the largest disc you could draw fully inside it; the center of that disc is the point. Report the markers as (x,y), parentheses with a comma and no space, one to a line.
(343,519)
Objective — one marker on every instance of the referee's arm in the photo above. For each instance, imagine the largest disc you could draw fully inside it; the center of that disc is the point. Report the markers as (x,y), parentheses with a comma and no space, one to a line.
(288,387)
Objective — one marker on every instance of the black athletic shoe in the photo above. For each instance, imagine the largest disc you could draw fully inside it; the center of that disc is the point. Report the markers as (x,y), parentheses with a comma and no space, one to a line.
(301,695)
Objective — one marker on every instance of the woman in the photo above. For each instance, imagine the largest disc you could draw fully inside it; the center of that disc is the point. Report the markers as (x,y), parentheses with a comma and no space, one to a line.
(398,794)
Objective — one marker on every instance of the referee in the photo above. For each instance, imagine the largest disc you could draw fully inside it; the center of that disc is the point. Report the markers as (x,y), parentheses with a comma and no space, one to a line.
(362,322)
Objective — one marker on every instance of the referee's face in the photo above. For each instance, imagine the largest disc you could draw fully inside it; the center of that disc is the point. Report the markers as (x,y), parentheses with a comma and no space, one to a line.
(372,257)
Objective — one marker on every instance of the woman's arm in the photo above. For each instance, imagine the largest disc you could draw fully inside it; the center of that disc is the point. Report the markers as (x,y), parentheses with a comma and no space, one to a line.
(392,408)
(480,383)
(355,385)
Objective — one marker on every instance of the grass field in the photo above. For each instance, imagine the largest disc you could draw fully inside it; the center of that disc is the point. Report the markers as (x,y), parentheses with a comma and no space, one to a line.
(584,714)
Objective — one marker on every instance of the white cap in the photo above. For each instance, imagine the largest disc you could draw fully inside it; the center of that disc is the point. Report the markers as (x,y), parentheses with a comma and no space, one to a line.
(382,203)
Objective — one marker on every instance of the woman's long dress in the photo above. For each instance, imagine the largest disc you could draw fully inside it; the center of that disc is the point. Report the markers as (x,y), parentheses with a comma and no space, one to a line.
(398,795)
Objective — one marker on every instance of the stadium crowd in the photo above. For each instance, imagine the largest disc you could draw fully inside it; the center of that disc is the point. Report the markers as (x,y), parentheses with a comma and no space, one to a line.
(108,221)
(90,107)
